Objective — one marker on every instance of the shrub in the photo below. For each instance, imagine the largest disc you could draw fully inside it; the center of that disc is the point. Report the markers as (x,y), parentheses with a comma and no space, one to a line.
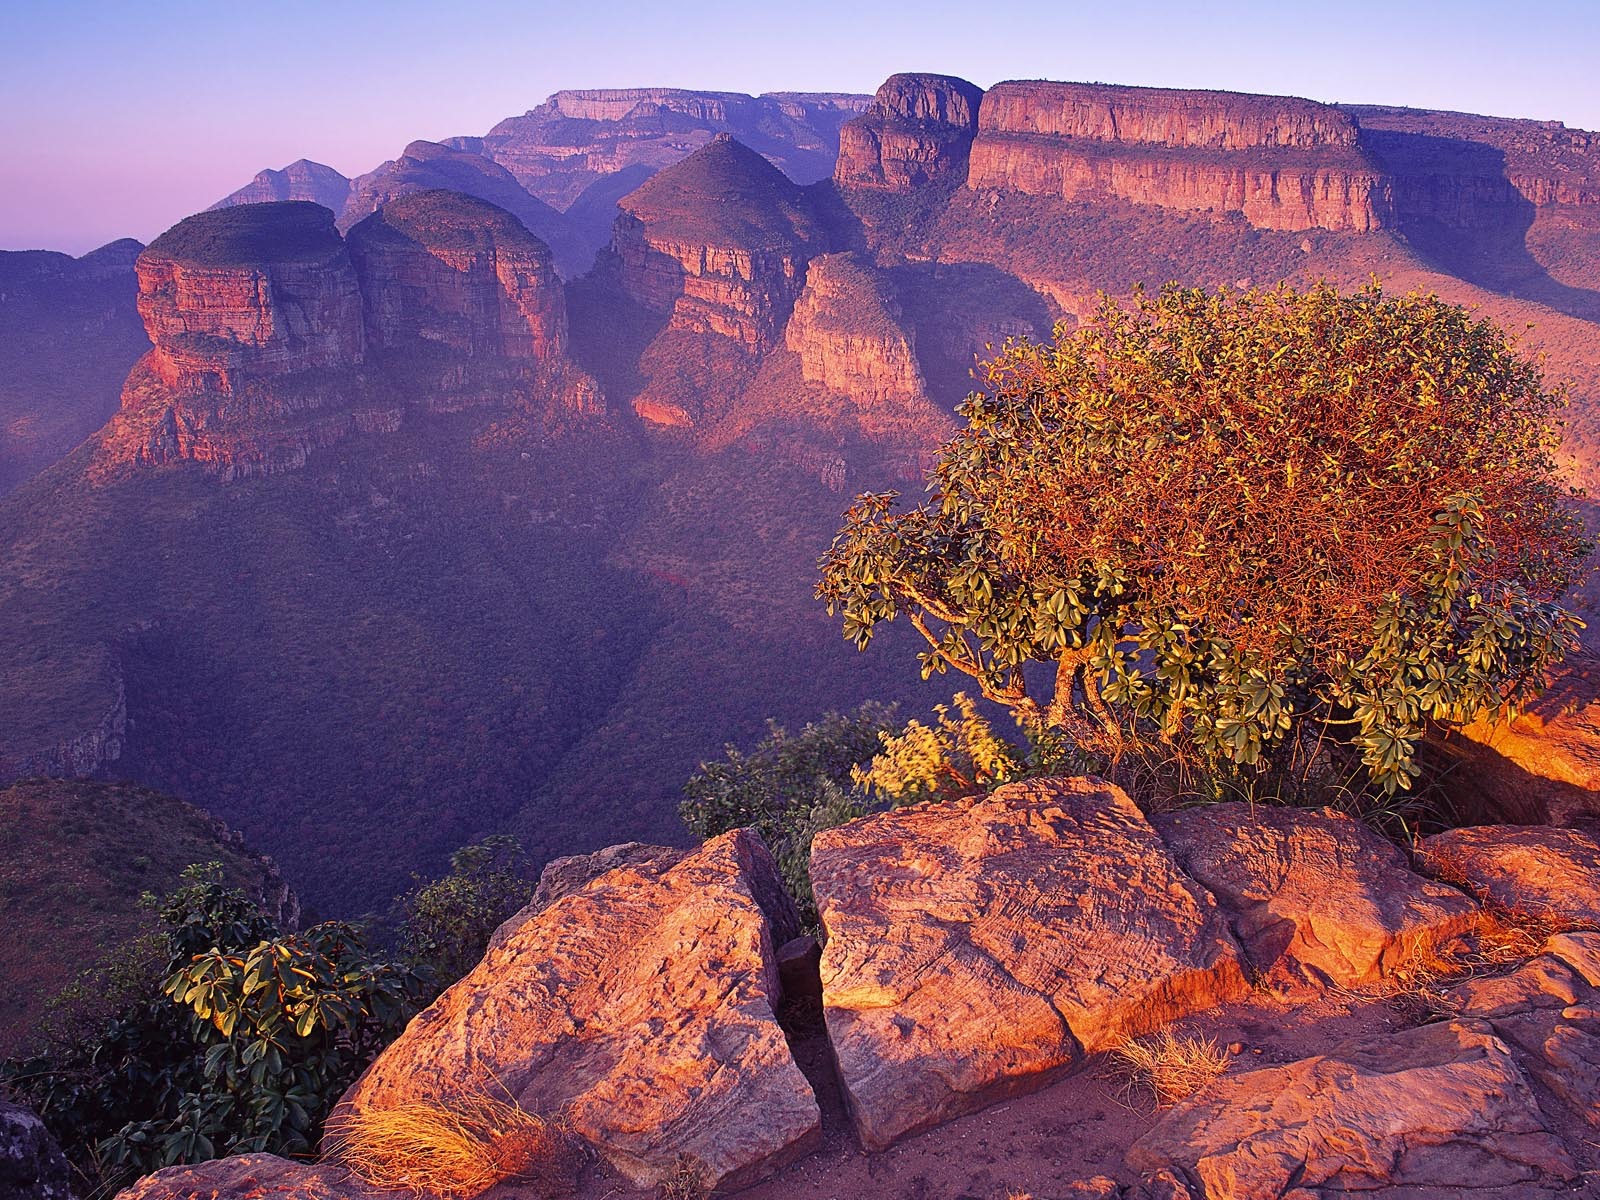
(1237,525)
(1170,1066)
(446,925)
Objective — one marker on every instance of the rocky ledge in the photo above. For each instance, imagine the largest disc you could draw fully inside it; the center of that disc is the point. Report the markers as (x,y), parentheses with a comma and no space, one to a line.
(981,950)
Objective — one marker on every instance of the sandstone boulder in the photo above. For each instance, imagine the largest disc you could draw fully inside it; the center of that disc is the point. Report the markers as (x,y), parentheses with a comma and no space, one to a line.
(1532,868)
(641,1007)
(251,1177)
(563,876)
(976,946)
(31,1164)
(1439,1107)
(1317,895)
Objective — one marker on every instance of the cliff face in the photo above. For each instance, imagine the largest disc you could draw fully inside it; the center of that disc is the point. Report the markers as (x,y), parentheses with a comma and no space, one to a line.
(719,243)
(1280,162)
(265,324)
(448,269)
(300,180)
(851,336)
(918,131)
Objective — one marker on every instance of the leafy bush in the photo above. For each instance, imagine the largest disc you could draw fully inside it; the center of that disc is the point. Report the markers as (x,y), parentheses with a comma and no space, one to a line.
(446,925)
(243,1042)
(789,788)
(1238,526)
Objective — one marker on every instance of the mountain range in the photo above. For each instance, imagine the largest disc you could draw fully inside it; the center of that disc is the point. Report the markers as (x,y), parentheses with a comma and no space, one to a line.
(484,491)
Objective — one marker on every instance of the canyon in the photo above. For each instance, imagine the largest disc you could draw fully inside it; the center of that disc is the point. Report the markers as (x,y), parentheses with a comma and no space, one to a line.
(625,458)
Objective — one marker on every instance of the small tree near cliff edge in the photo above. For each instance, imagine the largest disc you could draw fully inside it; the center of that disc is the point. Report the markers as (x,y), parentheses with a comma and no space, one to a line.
(1230,521)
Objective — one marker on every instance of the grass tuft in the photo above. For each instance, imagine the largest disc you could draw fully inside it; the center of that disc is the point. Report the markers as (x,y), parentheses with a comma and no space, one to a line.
(1172,1067)
(456,1146)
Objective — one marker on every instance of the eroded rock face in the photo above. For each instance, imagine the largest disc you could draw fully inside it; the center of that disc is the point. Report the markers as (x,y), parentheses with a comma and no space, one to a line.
(1535,869)
(851,335)
(974,947)
(31,1164)
(641,1006)
(1443,1106)
(1280,162)
(1318,896)
(720,242)
(447,268)
(918,132)
(251,1177)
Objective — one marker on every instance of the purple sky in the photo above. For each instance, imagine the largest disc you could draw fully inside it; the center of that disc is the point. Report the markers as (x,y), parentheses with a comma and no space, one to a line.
(118,118)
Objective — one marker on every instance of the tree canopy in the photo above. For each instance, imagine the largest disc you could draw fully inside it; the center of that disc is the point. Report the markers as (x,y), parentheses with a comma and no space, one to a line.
(1229,518)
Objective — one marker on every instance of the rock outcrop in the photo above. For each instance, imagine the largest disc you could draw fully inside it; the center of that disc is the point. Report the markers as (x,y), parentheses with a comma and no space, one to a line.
(917,133)
(1542,871)
(1316,896)
(300,180)
(851,335)
(431,166)
(31,1164)
(1279,162)
(1443,1106)
(640,1006)
(975,947)
(252,1177)
(720,242)
(273,337)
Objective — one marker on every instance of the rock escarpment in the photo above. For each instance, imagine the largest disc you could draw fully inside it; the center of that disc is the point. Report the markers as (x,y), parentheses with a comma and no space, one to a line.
(720,242)
(1279,162)
(917,133)
(640,1006)
(851,334)
(300,180)
(273,337)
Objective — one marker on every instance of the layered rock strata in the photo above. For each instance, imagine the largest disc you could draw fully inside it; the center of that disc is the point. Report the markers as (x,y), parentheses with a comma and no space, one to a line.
(851,335)
(1314,896)
(1279,162)
(641,1006)
(1553,873)
(917,133)
(975,947)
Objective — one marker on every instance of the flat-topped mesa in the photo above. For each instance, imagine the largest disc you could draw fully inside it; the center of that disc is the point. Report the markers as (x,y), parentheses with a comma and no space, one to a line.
(300,180)
(252,291)
(918,131)
(445,269)
(850,334)
(1280,162)
(720,241)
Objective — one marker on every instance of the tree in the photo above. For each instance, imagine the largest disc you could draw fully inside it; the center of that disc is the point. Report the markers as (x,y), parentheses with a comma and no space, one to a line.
(446,924)
(1229,522)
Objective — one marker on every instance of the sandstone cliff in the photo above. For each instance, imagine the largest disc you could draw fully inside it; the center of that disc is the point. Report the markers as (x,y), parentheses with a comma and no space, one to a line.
(300,180)
(265,327)
(851,335)
(720,242)
(918,131)
(1280,162)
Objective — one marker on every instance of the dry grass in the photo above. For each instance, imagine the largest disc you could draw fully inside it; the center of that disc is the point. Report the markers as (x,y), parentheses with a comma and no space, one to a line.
(686,1182)
(456,1146)
(1172,1067)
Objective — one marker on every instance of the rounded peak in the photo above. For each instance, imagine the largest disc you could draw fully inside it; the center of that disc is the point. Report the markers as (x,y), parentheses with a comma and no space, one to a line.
(449,220)
(922,96)
(280,231)
(724,194)
(122,249)
(423,150)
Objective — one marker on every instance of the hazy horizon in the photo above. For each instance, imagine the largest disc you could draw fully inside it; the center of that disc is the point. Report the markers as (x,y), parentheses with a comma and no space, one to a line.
(120,122)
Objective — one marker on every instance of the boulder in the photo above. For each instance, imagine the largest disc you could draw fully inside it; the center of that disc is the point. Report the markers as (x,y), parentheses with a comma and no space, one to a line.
(639,1006)
(1316,895)
(1545,872)
(974,947)
(563,876)
(1441,1106)
(251,1177)
(31,1164)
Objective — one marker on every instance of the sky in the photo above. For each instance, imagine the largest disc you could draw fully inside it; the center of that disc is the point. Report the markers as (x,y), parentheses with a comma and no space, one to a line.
(120,117)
